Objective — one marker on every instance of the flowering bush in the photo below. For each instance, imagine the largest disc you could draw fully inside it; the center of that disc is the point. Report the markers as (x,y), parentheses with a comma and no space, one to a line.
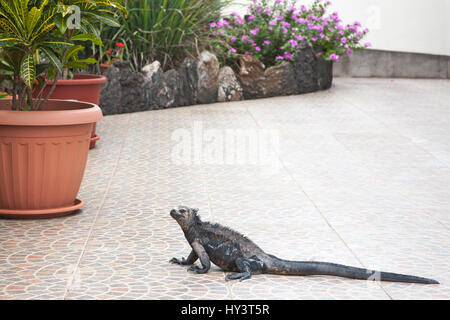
(272,30)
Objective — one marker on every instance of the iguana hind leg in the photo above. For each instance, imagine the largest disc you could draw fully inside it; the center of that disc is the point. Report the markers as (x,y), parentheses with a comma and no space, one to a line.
(245,272)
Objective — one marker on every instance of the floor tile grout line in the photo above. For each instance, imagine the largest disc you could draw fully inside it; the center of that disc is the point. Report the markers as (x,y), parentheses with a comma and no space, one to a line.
(317,208)
(91,230)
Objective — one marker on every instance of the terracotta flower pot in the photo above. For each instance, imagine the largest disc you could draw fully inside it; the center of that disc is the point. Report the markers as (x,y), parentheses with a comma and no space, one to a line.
(104,67)
(83,87)
(9,97)
(43,155)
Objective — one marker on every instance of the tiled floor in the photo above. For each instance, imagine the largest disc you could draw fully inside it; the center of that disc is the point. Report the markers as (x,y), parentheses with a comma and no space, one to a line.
(358,175)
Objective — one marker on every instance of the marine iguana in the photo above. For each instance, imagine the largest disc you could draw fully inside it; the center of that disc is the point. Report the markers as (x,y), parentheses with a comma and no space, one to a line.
(233,252)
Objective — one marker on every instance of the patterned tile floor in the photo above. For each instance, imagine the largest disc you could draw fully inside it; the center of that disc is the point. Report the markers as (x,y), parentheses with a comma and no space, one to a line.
(358,175)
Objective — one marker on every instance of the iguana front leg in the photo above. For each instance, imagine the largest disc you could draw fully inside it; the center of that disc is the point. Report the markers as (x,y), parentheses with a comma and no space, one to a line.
(190,260)
(203,256)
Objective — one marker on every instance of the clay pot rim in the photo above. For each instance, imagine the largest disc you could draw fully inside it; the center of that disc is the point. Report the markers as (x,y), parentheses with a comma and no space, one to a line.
(78,113)
(81,79)
(41,213)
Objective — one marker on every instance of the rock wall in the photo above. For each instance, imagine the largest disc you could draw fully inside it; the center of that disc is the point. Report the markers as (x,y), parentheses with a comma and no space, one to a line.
(203,81)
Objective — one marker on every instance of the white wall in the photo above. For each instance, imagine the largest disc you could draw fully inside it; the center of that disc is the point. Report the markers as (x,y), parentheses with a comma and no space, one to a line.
(396,25)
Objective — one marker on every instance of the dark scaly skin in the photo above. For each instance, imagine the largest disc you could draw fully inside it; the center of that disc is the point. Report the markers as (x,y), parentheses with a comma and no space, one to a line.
(233,252)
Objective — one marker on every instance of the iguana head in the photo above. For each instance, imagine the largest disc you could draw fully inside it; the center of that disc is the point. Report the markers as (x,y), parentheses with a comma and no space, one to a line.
(185,216)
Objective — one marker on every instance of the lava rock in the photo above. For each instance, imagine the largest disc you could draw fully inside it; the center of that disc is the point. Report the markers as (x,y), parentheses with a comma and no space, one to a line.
(324,73)
(229,87)
(208,84)
(280,80)
(111,92)
(124,91)
(157,91)
(133,96)
(189,78)
(252,77)
(174,84)
(305,68)
(152,72)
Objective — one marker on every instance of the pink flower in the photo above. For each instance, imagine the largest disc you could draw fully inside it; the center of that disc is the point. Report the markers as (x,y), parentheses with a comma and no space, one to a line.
(344,40)
(334,57)
(257,48)
(233,39)
(254,31)
(367,44)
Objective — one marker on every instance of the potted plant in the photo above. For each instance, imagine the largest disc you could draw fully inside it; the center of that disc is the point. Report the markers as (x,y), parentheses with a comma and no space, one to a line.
(80,86)
(44,143)
(112,54)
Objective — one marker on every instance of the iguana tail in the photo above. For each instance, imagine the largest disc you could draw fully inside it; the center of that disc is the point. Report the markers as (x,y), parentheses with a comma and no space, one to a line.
(306,268)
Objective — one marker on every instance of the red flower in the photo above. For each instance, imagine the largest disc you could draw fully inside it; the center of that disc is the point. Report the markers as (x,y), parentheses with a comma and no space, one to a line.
(120,45)
(109,51)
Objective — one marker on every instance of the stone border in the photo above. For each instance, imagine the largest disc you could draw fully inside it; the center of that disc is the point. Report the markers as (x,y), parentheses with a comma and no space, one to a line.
(204,81)
(390,64)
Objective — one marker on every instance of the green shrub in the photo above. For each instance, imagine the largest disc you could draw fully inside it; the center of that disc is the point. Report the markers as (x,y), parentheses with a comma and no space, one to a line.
(163,30)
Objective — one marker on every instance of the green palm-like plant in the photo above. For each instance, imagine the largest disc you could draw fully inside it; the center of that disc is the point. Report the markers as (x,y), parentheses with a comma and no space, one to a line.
(39,42)
(91,15)
(26,30)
